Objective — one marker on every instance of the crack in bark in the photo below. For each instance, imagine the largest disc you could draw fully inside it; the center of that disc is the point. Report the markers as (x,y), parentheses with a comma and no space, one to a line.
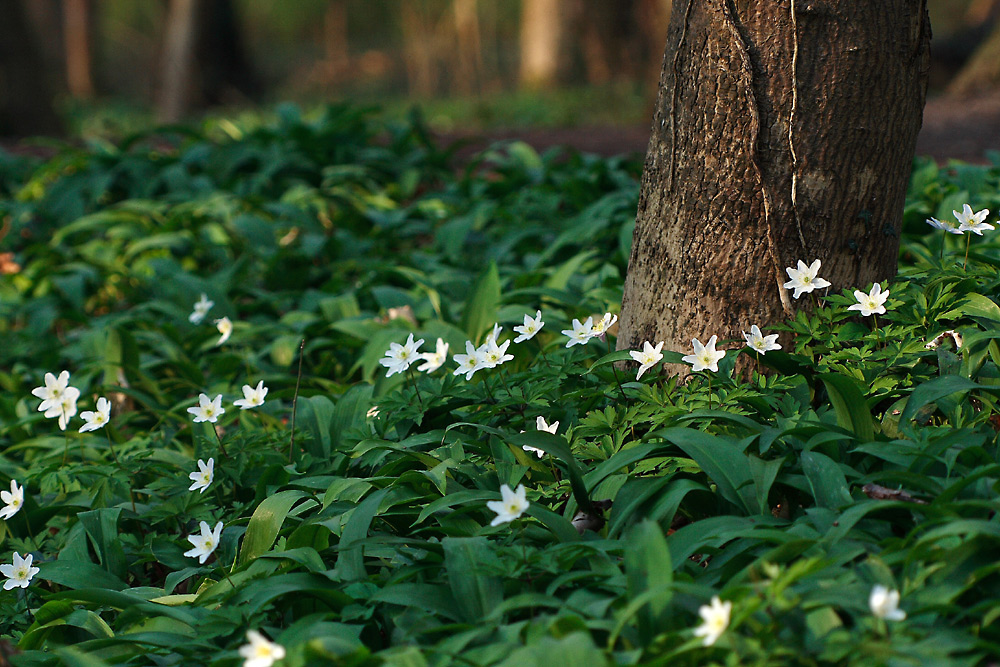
(791,126)
(729,12)
(673,96)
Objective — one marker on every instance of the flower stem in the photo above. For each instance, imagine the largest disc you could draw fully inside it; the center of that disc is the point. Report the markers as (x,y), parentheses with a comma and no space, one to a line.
(409,374)
(218,437)
(615,371)
(968,240)
(709,391)
(295,401)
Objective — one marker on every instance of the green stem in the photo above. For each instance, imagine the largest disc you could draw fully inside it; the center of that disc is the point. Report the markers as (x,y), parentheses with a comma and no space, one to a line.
(409,374)
(615,371)
(295,401)
(968,240)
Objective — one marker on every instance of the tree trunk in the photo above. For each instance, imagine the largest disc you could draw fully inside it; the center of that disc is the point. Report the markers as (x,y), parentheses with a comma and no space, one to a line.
(177,86)
(419,49)
(982,73)
(468,54)
(25,95)
(77,40)
(784,131)
(541,27)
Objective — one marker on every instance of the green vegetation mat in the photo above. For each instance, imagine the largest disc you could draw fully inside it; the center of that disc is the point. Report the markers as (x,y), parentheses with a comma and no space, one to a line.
(372,534)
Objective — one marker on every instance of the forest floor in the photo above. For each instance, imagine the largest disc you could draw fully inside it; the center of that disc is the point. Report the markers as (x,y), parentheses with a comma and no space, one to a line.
(952,129)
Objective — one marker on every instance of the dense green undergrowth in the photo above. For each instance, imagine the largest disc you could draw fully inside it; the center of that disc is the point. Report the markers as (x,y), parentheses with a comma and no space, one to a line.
(863,458)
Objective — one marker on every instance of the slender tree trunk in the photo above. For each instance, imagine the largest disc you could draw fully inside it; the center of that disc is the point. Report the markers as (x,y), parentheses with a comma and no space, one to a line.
(25,95)
(784,131)
(177,86)
(541,36)
(468,55)
(981,74)
(419,48)
(77,39)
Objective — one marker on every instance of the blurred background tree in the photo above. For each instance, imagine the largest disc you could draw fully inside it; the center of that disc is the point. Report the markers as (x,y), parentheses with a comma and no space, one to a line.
(472,63)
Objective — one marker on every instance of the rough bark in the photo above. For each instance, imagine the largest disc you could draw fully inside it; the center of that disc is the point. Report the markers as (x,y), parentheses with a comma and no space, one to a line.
(784,130)
(541,27)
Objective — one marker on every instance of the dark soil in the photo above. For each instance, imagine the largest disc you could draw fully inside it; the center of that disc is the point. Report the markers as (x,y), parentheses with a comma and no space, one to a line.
(952,129)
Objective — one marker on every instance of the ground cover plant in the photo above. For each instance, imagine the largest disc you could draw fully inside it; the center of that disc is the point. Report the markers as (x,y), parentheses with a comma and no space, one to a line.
(259,465)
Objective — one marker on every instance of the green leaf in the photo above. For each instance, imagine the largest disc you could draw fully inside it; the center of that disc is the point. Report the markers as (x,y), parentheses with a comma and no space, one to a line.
(79,574)
(484,301)
(556,445)
(849,404)
(645,570)
(826,480)
(934,390)
(975,306)
(466,562)
(265,524)
(722,461)
(350,559)
(317,413)
(102,528)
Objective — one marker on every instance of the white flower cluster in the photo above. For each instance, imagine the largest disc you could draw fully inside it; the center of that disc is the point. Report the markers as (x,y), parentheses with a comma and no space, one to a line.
(968,221)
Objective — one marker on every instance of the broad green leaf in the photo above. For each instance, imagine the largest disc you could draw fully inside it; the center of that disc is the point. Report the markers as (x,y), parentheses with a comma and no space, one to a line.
(933,390)
(829,487)
(350,557)
(722,461)
(556,445)
(102,528)
(265,524)
(849,404)
(468,562)
(647,569)
(484,300)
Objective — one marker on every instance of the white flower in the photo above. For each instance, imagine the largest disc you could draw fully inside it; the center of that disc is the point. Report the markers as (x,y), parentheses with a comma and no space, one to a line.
(542,426)
(252,396)
(972,222)
(648,357)
(760,343)
(492,355)
(715,620)
(872,303)
(260,652)
(202,478)
(493,335)
(399,357)
(201,309)
(13,500)
(530,327)
(601,326)
(434,360)
(97,419)
(52,393)
(512,505)
(65,407)
(468,363)
(205,543)
(705,356)
(946,225)
(884,603)
(225,327)
(20,573)
(580,334)
(804,279)
(207,410)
